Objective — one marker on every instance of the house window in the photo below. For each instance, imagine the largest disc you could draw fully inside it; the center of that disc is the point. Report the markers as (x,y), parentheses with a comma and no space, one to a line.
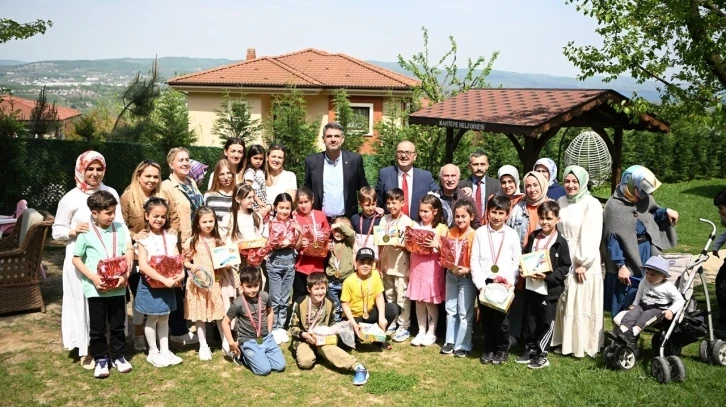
(362,118)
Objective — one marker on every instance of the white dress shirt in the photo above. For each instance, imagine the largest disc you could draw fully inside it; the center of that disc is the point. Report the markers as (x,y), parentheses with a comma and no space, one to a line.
(486,242)
(409,181)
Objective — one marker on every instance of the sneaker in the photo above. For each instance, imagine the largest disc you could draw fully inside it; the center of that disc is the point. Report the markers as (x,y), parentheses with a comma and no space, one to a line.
(401,334)
(500,357)
(428,340)
(539,362)
(416,341)
(385,345)
(629,337)
(101,369)
(88,363)
(460,353)
(528,356)
(487,357)
(140,344)
(122,365)
(186,339)
(447,349)
(237,360)
(360,375)
(205,353)
(172,358)
(157,359)
(391,330)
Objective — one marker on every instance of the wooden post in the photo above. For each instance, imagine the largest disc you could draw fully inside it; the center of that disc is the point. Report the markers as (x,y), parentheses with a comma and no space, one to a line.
(617,156)
(530,153)
(449,147)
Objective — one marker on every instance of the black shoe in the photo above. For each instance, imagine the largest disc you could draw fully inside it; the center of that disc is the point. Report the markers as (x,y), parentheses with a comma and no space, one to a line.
(614,335)
(527,356)
(237,360)
(487,357)
(539,362)
(629,337)
(500,358)
(460,353)
(447,349)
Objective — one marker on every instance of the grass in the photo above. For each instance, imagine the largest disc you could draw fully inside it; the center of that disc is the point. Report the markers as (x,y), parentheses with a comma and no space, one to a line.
(35,371)
(692,200)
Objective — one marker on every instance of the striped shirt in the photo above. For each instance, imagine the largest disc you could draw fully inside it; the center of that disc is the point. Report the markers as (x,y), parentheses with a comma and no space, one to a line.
(222,204)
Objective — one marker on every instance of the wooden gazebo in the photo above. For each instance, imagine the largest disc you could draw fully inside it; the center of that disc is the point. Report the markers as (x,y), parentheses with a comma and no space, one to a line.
(537,115)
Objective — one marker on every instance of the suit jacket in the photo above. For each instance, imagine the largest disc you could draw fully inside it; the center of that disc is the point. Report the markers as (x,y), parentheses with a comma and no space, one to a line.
(423,182)
(354,178)
(492,186)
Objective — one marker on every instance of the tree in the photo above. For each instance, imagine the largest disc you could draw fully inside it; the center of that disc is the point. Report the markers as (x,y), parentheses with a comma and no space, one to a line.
(85,128)
(168,124)
(289,126)
(11,30)
(440,80)
(10,124)
(139,96)
(679,44)
(352,122)
(234,119)
(43,116)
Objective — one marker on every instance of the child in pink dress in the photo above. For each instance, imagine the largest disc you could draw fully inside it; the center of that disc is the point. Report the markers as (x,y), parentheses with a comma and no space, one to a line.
(427,282)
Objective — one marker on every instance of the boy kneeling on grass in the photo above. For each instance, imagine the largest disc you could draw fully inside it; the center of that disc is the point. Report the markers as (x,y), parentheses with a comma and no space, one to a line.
(362,296)
(317,310)
(255,346)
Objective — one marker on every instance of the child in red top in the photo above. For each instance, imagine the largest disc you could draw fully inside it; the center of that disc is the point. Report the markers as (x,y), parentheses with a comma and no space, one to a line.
(305,215)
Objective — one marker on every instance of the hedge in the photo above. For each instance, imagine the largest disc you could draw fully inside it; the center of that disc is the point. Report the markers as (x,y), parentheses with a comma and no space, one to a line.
(42,171)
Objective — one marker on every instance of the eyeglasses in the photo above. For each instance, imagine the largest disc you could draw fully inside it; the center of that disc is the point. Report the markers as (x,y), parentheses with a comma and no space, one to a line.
(404,154)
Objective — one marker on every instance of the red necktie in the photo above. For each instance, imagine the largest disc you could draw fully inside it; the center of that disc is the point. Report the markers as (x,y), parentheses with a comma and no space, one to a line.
(478,198)
(404,187)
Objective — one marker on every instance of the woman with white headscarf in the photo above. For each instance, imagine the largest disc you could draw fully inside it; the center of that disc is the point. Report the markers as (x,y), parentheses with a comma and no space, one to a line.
(635,229)
(72,218)
(548,168)
(509,181)
(579,321)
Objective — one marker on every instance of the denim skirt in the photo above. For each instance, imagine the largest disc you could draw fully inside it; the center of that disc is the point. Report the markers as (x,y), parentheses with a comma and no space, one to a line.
(154,301)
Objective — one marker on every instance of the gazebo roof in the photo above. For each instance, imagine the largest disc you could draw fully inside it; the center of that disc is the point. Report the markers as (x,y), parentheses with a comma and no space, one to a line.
(531,112)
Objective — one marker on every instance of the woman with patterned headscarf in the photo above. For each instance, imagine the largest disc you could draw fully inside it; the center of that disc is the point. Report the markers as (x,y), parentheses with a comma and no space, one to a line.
(548,168)
(72,218)
(635,229)
(579,321)
(509,180)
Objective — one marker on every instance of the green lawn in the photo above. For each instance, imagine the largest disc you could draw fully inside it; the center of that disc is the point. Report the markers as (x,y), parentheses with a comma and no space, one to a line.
(34,370)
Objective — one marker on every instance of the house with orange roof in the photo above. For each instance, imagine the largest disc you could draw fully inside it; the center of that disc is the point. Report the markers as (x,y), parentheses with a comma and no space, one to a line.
(24,108)
(316,74)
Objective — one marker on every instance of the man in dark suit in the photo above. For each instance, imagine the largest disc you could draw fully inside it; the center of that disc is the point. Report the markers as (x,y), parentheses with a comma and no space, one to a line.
(480,186)
(335,175)
(414,182)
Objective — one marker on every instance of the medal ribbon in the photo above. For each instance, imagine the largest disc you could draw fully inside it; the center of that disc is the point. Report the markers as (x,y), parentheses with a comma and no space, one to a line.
(314,322)
(458,245)
(365,294)
(389,224)
(370,228)
(338,256)
(258,326)
(495,259)
(547,244)
(209,252)
(113,231)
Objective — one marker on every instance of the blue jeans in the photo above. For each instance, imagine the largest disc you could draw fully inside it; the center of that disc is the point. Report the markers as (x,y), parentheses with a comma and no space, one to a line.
(263,358)
(335,289)
(460,295)
(280,273)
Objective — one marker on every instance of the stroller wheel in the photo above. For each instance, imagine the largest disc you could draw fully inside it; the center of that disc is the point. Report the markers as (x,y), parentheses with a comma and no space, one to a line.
(661,370)
(678,370)
(718,353)
(624,358)
(608,356)
(703,352)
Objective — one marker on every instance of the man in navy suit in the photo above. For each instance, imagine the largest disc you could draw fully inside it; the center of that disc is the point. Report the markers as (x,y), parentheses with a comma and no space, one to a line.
(335,175)
(479,186)
(414,182)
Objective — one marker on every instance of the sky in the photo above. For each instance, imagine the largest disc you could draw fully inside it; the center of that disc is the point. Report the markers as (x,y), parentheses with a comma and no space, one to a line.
(529,34)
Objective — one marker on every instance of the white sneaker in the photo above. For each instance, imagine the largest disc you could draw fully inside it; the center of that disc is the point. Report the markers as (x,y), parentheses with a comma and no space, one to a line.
(88,363)
(205,353)
(122,365)
(101,370)
(428,340)
(157,359)
(140,344)
(186,339)
(418,339)
(172,358)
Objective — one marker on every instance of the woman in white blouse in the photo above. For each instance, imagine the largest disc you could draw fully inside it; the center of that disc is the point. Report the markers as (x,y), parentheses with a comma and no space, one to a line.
(579,322)
(278,179)
(72,218)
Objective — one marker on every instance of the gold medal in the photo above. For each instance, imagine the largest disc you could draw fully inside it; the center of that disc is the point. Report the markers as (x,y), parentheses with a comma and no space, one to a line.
(316,245)
(337,274)
(495,268)
(259,340)
(386,238)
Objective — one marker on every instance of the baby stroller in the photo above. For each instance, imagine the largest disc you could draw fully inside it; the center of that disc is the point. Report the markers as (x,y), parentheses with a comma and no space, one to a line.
(687,326)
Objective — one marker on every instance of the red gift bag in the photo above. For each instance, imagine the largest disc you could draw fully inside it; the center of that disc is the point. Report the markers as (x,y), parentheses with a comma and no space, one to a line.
(112,267)
(318,240)
(167,266)
(448,251)
(279,231)
(415,240)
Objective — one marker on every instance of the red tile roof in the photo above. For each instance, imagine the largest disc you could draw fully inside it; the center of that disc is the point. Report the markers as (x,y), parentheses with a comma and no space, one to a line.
(532,111)
(306,68)
(24,107)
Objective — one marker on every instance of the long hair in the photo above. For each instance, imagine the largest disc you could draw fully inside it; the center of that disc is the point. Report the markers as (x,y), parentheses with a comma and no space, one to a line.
(256,149)
(283,197)
(274,147)
(152,203)
(241,190)
(435,203)
(221,164)
(197,230)
(134,189)
(230,142)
